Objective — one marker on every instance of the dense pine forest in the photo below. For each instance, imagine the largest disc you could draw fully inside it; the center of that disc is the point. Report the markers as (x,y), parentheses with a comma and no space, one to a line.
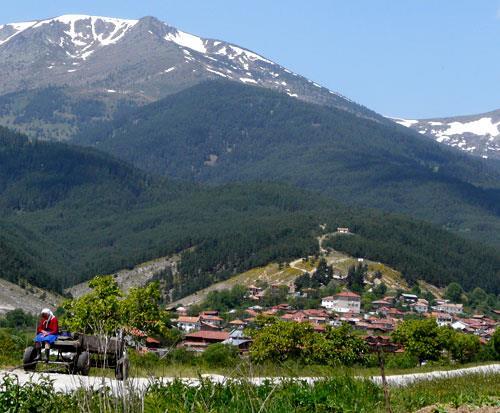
(221,132)
(68,213)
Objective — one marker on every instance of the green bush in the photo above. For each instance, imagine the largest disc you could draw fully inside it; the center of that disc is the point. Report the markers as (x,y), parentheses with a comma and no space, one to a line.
(182,356)
(220,355)
(18,319)
(32,397)
(147,361)
(401,361)
(12,345)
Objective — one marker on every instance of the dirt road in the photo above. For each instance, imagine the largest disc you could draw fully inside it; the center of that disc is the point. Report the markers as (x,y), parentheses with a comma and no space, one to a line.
(67,383)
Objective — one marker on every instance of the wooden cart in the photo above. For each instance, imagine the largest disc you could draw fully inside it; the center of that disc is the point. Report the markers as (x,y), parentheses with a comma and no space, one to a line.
(79,352)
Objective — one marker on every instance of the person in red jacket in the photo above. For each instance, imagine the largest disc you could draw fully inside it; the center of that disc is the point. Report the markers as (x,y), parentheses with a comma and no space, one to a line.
(46,332)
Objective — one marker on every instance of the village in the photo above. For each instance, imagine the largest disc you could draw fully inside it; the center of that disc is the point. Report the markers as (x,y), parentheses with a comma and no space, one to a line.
(209,327)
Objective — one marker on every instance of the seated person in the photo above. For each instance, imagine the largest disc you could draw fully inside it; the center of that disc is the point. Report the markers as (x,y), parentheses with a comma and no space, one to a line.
(46,333)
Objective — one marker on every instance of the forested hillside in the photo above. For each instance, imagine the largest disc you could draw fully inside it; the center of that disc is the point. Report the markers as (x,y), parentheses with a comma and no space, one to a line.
(221,131)
(58,113)
(69,213)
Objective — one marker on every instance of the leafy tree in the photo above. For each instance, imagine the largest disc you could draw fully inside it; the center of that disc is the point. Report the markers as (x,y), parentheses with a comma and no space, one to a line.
(454,292)
(323,273)
(430,297)
(356,277)
(97,312)
(380,290)
(18,319)
(281,340)
(140,308)
(275,296)
(105,310)
(495,340)
(226,299)
(421,338)
(346,348)
(464,347)
(478,297)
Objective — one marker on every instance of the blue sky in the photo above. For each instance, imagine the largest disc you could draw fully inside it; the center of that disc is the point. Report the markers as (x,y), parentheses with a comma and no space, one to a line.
(407,58)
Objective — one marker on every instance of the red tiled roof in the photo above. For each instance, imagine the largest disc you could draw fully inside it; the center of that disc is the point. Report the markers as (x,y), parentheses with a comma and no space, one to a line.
(211,317)
(347,294)
(251,312)
(210,335)
(315,312)
(237,322)
(137,333)
(186,319)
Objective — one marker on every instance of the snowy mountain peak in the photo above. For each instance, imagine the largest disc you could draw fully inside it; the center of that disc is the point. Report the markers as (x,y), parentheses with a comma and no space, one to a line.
(143,58)
(77,34)
(475,134)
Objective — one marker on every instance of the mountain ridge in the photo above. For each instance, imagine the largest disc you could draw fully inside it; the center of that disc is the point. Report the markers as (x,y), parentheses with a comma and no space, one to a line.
(477,134)
(109,55)
(243,133)
(69,213)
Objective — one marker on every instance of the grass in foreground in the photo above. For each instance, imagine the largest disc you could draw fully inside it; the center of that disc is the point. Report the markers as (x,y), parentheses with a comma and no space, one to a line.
(336,394)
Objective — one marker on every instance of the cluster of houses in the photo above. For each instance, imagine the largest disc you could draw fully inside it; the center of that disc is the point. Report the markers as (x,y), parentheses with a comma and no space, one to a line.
(209,327)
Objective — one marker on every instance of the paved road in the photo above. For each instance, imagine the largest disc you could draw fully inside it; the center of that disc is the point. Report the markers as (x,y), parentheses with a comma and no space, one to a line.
(67,383)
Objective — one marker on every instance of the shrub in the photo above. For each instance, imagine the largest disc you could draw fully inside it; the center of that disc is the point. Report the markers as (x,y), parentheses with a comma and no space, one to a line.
(220,355)
(401,361)
(182,356)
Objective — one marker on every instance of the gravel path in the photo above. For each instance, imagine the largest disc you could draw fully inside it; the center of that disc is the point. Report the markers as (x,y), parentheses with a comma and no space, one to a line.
(67,383)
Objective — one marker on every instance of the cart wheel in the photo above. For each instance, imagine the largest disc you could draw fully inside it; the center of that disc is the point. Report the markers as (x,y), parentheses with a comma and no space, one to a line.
(83,363)
(29,362)
(121,369)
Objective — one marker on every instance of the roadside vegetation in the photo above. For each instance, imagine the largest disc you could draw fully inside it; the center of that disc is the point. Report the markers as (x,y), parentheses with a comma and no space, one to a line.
(339,393)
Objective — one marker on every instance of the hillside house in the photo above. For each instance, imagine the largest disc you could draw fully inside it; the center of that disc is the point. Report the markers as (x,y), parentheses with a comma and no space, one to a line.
(342,230)
(442,319)
(239,324)
(200,340)
(211,320)
(238,339)
(182,311)
(187,324)
(449,308)
(380,303)
(344,302)
(408,298)
(421,306)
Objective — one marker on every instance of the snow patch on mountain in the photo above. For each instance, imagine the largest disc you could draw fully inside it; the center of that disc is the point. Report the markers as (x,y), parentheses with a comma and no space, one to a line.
(52,45)
(483,126)
(477,134)
(15,29)
(405,122)
(187,40)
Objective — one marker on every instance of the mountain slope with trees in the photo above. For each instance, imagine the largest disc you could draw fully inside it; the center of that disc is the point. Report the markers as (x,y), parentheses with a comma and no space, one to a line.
(221,132)
(70,213)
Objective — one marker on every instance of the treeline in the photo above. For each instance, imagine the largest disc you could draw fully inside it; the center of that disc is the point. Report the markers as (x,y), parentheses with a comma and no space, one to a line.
(422,251)
(71,213)
(223,132)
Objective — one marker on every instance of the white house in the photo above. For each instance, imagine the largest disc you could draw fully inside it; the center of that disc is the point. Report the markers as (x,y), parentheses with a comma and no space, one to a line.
(421,306)
(459,325)
(443,319)
(188,324)
(450,308)
(409,298)
(345,302)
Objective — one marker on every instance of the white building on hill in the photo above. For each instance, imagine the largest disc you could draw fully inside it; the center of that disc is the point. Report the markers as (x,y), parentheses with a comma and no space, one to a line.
(345,302)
